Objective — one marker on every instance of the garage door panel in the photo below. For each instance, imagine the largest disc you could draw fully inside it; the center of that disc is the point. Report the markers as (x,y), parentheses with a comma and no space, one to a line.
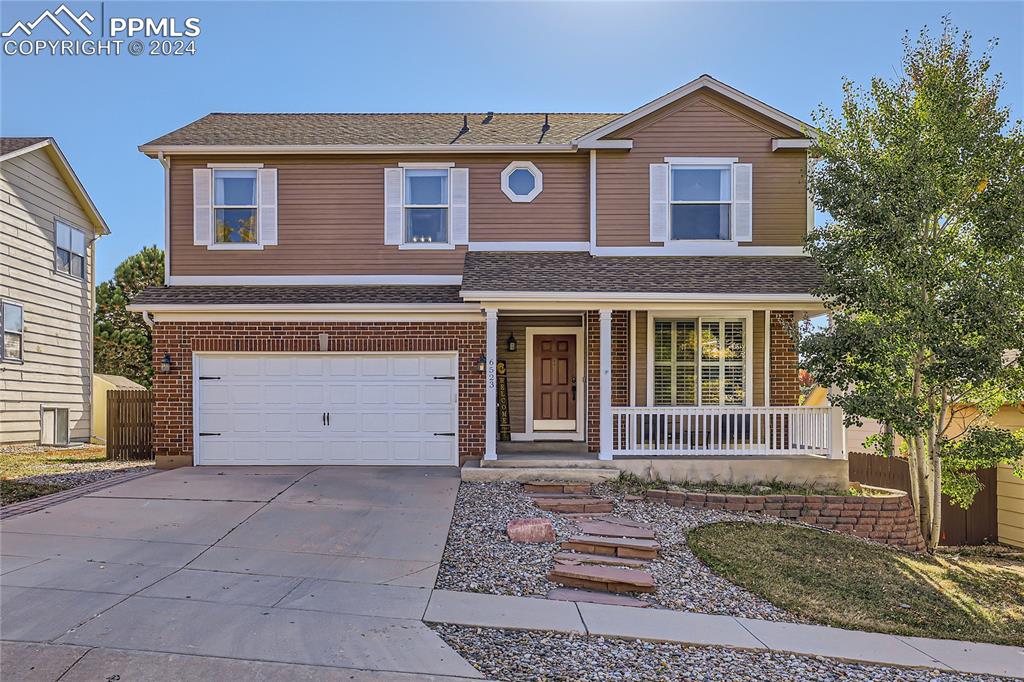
(384,409)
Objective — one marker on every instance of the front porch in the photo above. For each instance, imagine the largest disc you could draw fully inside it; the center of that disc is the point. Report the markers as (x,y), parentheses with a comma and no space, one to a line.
(699,390)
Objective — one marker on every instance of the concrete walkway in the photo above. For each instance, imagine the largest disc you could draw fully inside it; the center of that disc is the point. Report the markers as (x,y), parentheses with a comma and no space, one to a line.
(268,573)
(657,625)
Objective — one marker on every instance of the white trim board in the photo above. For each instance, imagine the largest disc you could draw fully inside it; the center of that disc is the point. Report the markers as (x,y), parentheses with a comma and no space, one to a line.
(678,297)
(266,149)
(581,408)
(706,247)
(313,279)
(529,246)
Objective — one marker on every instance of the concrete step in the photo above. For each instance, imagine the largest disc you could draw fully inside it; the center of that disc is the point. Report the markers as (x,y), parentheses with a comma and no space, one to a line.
(575,505)
(600,559)
(594,597)
(522,474)
(603,578)
(546,462)
(622,547)
(556,488)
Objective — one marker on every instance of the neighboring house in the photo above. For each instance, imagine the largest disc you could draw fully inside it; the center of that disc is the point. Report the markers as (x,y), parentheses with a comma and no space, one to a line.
(49,227)
(101,383)
(341,287)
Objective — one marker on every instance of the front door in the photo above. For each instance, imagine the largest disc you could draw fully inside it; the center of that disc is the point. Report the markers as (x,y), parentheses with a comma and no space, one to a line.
(554,382)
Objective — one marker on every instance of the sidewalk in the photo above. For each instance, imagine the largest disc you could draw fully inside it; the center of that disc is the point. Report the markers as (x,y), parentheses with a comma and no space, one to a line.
(656,625)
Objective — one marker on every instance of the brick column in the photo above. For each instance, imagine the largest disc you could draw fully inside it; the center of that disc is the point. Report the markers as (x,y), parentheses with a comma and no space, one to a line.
(784,375)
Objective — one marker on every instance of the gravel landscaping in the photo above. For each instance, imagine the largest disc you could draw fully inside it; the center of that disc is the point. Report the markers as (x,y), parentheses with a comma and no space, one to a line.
(480,558)
(517,655)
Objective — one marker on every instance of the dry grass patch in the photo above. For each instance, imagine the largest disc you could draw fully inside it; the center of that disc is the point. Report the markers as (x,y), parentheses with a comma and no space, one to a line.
(845,582)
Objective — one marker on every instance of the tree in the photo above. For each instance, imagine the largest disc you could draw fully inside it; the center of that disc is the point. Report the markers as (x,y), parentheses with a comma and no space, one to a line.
(923,262)
(124,344)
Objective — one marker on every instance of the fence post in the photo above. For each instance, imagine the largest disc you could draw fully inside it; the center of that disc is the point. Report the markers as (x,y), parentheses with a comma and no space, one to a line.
(837,434)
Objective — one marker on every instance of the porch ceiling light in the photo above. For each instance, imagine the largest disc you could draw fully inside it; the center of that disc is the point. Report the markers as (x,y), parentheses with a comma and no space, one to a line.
(511,343)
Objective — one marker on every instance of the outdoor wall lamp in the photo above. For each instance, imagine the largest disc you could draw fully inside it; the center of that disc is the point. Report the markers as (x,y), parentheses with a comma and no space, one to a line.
(511,343)
(165,364)
(481,364)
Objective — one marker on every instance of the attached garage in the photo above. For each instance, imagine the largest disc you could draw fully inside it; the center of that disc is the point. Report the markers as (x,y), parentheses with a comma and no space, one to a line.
(325,408)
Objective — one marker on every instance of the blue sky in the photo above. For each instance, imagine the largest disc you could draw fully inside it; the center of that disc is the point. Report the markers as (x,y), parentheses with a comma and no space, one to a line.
(425,56)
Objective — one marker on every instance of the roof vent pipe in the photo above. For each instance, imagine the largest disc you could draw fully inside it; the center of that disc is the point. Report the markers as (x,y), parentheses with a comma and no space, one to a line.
(465,125)
(547,126)
(489,117)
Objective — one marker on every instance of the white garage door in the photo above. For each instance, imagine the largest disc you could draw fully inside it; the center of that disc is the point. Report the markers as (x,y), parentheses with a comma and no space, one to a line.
(372,408)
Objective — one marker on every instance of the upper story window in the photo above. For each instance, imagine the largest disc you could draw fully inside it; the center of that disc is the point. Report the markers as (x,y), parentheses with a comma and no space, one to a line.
(235,207)
(69,250)
(521,181)
(701,200)
(426,206)
(12,321)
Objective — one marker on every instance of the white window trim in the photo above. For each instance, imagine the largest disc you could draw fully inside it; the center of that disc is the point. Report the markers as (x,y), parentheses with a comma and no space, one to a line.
(21,334)
(746,316)
(427,246)
(538,181)
(214,245)
(84,254)
(712,162)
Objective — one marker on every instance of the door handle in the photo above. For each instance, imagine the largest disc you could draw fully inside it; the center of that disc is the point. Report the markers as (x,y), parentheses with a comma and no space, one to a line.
(574,388)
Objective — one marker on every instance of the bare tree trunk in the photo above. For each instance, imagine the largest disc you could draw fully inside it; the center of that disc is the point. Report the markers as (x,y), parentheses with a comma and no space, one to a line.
(924,486)
(936,528)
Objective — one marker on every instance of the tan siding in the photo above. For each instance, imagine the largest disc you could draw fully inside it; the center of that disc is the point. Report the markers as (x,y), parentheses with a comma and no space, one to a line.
(57,341)
(702,125)
(516,362)
(331,216)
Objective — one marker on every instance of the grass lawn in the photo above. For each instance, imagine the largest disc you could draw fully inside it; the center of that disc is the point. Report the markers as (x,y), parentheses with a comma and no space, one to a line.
(22,463)
(16,491)
(841,581)
(61,468)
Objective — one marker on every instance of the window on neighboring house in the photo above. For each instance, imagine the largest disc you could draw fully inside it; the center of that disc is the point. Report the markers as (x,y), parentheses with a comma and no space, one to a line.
(699,361)
(426,205)
(234,207)
(70,250)
(12,321)
(701,201)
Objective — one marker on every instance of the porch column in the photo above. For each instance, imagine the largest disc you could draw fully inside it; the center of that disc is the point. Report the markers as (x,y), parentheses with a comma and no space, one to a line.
(606,383)
(491,393)
(837,434)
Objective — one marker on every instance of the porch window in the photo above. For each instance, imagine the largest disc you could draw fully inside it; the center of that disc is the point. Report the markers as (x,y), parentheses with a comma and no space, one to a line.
(700,361)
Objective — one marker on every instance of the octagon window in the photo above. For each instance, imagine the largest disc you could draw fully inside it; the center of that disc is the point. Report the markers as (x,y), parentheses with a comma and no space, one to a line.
(521,181)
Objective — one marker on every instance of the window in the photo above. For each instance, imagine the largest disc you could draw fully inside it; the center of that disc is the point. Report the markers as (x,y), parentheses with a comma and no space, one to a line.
(701,201)
(426,206)
(521,181)
(708,368)
(12,320)
(234,207)
(70,250)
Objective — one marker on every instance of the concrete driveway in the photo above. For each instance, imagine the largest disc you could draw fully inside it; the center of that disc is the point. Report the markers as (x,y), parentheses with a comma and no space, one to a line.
(266,573)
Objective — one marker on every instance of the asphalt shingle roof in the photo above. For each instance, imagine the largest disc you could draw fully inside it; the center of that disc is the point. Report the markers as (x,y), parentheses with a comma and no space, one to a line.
(294,294)
(581,272)
(13,144)
(382,129)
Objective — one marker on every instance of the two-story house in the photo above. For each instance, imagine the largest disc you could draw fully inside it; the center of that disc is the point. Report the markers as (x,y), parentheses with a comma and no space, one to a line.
(409,288)
(48,232)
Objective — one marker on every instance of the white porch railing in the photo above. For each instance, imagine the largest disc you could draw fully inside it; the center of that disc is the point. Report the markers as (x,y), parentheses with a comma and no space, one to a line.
(715,430)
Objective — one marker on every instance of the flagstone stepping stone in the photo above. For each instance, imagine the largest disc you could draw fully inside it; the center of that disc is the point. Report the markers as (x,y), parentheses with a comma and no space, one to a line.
(605,559)
(623,521)
(575,505)
(604,578)
(615,530)
(629,548)
(592,597)
(558,487)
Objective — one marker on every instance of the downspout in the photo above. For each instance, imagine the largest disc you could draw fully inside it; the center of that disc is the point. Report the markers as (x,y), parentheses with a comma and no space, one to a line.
(593,201)
(147,317)
(166,163)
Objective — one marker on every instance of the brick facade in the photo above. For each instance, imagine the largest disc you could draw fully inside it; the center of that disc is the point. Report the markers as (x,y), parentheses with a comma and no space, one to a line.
(172,392)
(883,518)
(620,370)
(784,374)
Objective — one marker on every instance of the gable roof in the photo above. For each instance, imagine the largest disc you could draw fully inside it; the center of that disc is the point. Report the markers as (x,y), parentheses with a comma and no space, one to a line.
(353,130)
(13,147)
(429,132)
(705,81)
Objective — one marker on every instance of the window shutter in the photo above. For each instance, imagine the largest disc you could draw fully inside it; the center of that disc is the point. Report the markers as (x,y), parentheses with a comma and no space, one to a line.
(659,202)
(202,206)
(742,202)
(393,213)
(459,178)
(267,221)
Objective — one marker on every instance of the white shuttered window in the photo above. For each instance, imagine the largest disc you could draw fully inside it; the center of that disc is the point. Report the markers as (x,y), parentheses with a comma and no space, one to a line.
(700,361)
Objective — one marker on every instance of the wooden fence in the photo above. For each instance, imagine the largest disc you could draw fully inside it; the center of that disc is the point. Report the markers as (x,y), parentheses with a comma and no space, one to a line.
(972,526)
(129,424)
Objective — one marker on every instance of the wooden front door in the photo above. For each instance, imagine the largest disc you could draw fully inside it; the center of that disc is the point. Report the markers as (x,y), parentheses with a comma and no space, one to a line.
(554,382)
